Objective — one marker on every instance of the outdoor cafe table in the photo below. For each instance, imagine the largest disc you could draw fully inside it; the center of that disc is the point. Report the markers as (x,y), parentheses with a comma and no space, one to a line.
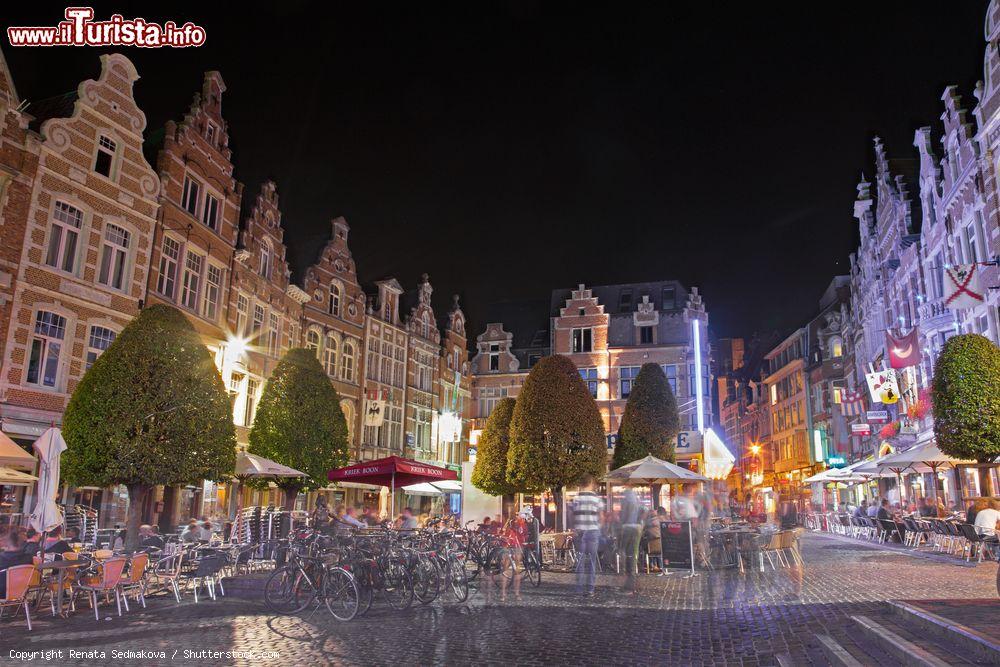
(60,567)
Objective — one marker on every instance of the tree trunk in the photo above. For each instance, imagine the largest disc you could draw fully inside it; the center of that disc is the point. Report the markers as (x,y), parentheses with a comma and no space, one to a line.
(985,480)
(168,517)
(557,496)
(137,495)
(655,489)
(291,493)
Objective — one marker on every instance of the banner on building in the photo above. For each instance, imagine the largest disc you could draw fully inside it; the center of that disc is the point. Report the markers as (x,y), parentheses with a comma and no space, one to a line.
(877,416)
(962,287)
(883,386)
(375,400)
(852,403)
(905,350)
(861,429)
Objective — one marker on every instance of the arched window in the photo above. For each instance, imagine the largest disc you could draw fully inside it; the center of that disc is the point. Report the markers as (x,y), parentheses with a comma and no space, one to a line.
(331,356)
(312,342)
(348,409)
(347,363)
(836,347)
(335,299)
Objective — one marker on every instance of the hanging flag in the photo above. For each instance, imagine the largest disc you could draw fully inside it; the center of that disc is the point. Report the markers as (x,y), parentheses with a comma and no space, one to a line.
(841,434)
(374,412)
(961,286)
(905,350)
(852,403)
(883,386)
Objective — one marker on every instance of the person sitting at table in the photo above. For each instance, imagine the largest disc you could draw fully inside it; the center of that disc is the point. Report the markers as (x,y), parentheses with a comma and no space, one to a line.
(118,543)
(873,508)
(31,540)
(862,510)
(148,538)
(987,519)
(883,510)
(192,533)
(351,518)
(72,534)
(54,542)
(206,531)
(12,552)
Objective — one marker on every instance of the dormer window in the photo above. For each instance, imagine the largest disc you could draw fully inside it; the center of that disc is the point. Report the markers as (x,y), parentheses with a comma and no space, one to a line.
(105,159)
(265,260)
(494,357)
(334,300)
(210,133)
(625,300)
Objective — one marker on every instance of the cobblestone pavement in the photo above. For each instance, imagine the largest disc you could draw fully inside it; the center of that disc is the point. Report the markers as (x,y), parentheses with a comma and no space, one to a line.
(717,618)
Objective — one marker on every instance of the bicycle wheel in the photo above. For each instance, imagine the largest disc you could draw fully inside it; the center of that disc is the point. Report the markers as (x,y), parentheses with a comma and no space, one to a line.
(364,577)
(426,581)
(500,563)
(340,593)
(474,559)
(397,585)
(458,582)
(284,590)
(532,568)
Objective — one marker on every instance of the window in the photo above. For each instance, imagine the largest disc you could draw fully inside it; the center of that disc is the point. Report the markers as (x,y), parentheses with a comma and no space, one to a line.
(190,196)
(774,394)
(335,299)
(626,378)
(312,341)
(347,363)
(250,411)
(331,356)
(191,288)
(836,347)
(425,326)
(265,260)
(670,370)
(971,243)
(348,409)
(273,334)
(387,310)
(210,214)
(625,300)
(582,340)
(668,297)
(645,335)
(100,339)
(66,224)
(213,288)
(589,376)
(167,279)
(210,131)
(938,273)
(46,344)
(105,158)
(494,357)
(114,256)
(242,314)
(258,319)
(983,324)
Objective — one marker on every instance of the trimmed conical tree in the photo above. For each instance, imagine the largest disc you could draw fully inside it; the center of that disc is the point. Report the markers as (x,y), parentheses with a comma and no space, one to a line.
(490,472)
(651,420)
(299,423)
(556,432)
(152,410)
(966,401)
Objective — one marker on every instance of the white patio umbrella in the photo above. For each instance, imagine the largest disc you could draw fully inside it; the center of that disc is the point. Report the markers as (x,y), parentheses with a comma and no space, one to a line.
(46,514)
(251,466)
(922,458)
(422,489)
(652,470)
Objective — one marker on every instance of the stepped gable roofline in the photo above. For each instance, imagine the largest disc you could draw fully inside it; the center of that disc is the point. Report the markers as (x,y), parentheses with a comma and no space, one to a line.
(609,296)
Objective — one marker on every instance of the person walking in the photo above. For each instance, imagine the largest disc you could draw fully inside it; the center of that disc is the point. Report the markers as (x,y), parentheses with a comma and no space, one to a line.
(631,534)
(587,508)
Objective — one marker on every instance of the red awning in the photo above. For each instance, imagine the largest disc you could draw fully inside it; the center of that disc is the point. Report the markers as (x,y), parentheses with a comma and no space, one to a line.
(380,472)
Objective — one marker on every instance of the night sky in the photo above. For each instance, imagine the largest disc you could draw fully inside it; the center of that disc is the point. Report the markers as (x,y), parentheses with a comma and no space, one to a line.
(508,148)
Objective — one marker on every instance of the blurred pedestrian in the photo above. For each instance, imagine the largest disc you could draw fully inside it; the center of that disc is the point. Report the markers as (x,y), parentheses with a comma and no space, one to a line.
(631,534)
(587,508)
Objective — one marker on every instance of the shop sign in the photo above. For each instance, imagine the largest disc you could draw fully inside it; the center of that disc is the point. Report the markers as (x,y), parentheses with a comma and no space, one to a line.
(688,442)
(612,440)
(861,429)
(878,416)
(836,462)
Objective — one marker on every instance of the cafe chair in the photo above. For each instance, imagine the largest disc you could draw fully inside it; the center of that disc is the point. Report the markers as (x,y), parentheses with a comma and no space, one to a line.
(51,586)
(18,582)
(167,572)
(974,541)
(206,573)
(106,581)
(135,580)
